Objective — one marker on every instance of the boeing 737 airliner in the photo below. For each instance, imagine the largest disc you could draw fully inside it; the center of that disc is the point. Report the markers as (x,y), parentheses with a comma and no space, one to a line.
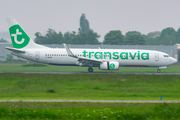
(105,59)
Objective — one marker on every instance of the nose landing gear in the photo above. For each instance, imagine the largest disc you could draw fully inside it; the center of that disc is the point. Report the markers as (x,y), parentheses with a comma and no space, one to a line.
(158,71)
(90,69)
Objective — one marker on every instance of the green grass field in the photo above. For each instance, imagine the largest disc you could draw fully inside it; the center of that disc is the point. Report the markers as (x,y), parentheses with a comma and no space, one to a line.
(89,111)
(89,86)
(19,67)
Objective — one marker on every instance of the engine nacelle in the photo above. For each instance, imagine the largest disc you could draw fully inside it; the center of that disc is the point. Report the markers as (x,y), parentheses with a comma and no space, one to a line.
(109,66)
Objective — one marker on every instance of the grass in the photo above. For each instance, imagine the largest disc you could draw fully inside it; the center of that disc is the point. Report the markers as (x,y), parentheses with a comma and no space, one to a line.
(18,67)
(89,111)
(89,86)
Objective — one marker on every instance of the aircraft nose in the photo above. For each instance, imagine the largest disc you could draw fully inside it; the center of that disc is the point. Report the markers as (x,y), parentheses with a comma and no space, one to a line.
(173,60)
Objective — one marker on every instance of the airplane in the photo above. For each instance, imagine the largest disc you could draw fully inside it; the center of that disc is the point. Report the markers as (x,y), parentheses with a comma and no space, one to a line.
(105,59)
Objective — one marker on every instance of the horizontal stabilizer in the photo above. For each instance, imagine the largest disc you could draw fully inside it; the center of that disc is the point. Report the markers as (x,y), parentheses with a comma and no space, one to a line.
(15,50)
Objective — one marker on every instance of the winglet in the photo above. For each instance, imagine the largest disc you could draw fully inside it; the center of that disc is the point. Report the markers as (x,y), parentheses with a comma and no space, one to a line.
(69,51)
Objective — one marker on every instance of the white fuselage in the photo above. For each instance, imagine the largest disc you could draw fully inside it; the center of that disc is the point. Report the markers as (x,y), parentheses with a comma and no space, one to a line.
(125,57)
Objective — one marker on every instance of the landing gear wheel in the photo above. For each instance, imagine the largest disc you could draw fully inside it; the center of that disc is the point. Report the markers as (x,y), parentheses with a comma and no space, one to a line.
(90,69)
(158,70)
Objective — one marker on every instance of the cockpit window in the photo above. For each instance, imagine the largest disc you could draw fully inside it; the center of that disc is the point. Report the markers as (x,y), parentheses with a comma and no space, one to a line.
(166,55)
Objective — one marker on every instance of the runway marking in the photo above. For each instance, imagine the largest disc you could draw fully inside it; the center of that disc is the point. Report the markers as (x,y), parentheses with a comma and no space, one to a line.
(91,101)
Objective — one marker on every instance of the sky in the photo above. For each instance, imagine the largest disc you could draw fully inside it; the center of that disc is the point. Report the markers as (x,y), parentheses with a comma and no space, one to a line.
(103,15)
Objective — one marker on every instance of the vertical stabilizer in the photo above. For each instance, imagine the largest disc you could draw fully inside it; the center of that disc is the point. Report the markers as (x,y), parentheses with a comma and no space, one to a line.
(19,37)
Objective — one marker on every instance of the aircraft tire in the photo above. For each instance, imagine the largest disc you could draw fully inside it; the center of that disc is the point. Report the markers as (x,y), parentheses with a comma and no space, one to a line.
(90,69)
(158,71)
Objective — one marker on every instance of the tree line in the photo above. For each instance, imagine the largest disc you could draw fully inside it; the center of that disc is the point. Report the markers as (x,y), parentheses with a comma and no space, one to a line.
(167,36)
(85,35)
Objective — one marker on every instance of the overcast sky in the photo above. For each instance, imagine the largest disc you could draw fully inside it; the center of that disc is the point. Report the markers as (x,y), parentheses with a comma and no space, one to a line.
(103,15)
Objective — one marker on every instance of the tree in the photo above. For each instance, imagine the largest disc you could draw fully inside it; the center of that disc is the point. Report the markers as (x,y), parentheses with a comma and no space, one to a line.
(88,37)
(51,37)
(114,37)
(69,37)
(84,36)
(153,34)
(135,39)
(178,36)
(9,57)
(39,38)
(168,36)
(84,24)
(132,33)
(152,38)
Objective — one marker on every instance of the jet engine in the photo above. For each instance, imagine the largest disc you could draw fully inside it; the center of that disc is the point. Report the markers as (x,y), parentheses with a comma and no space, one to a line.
(109,66)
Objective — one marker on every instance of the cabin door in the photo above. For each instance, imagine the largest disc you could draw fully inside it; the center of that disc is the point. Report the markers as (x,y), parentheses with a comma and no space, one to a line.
(37,55)
(156,57)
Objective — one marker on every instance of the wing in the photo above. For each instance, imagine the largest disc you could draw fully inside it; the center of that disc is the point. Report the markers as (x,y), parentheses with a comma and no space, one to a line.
(82,61)
(15,50)
(89,62)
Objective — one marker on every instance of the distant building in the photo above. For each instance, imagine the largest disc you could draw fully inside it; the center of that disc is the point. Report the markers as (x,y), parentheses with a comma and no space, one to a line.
(178,49)
(177,45)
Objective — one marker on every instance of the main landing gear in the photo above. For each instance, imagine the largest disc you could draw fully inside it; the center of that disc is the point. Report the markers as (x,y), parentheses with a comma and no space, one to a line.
(158,71)
(90,69)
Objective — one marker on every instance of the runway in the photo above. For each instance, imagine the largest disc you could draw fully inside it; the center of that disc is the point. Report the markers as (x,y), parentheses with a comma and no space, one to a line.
(91,101)
(44,72)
